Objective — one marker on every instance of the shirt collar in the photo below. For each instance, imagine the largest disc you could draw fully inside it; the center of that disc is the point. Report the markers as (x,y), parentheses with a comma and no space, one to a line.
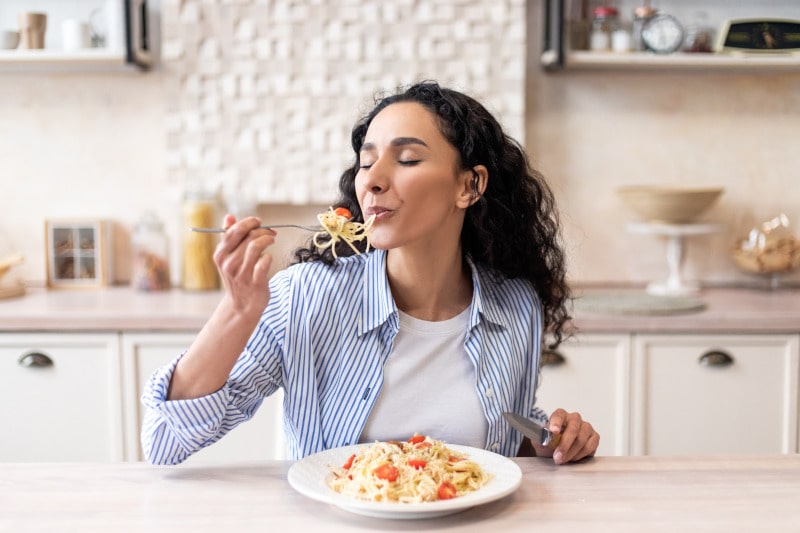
(378,304)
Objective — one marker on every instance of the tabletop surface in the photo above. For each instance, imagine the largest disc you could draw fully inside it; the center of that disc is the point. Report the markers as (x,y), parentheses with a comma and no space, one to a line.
(619,494)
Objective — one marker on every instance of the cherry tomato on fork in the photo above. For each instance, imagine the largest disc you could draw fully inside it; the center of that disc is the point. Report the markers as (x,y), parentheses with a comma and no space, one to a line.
(343,212)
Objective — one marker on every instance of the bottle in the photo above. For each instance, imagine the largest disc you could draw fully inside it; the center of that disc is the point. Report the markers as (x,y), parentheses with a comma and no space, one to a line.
(641,15)
(150,252)
(699,35)
(605,22)
(200,210)
(621,39)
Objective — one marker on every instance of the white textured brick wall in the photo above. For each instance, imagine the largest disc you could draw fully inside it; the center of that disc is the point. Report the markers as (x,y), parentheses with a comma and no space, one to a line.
(262,94)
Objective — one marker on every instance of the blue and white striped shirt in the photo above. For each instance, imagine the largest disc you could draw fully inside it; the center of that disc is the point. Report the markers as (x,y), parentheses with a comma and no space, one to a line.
(324,338)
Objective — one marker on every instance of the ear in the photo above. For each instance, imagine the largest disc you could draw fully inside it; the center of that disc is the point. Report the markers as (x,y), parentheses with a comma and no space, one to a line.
(473,181)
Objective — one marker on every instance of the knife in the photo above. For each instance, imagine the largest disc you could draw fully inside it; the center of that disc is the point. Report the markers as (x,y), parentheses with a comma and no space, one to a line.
(532,430)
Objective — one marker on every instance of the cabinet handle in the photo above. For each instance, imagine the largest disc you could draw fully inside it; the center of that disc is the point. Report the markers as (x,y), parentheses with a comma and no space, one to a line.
(35,360)
(551,358)
(715,358)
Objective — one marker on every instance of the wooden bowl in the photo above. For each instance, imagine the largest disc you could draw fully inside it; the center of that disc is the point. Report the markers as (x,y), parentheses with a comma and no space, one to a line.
(668,205)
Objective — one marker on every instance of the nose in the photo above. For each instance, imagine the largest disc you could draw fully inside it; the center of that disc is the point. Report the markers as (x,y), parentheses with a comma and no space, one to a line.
(376,177)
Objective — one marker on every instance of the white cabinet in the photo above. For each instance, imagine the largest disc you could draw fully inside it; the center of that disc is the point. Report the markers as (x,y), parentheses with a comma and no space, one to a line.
(712,394)
(257,439)
(61,397)
(590,374)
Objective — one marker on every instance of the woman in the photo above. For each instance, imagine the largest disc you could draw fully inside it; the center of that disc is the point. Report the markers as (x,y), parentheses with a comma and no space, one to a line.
(436,330)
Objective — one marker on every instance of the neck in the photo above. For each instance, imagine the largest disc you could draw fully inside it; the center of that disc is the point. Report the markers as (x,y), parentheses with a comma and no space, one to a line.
(429,285)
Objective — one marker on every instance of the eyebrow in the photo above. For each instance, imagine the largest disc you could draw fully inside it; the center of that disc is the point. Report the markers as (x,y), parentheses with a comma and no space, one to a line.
(397,141)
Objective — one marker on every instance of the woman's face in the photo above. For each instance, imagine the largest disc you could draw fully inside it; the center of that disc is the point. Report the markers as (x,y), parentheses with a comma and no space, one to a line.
(409,178)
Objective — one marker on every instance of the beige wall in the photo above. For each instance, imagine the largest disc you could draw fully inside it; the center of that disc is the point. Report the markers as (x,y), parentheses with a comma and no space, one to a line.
(110,145)
(592,131)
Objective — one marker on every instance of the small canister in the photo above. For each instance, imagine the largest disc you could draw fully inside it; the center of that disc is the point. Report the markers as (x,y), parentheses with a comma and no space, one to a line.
(150,251)
(605,22)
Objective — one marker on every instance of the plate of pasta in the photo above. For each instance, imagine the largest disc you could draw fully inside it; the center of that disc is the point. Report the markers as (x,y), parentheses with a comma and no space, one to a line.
(417,478)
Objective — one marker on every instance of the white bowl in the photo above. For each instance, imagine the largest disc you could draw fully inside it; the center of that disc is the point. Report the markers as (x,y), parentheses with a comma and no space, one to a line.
(669,205)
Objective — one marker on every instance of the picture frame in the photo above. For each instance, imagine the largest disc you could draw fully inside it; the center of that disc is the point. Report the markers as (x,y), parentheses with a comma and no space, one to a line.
(78,253)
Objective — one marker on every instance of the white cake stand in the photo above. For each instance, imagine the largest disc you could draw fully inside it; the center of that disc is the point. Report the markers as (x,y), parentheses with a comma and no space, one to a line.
(675,284)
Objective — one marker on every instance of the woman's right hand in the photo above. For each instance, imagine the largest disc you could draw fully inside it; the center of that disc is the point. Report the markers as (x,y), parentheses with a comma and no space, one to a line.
(243,263)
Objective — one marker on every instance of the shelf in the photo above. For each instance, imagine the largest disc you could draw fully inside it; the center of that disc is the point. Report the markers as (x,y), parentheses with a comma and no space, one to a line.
(90,59)
(640,60)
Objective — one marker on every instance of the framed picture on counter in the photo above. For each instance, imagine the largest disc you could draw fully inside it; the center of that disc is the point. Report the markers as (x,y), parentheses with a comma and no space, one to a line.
(78,253)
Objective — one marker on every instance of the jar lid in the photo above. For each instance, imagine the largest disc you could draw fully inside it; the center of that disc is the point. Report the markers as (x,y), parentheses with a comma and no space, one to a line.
(605,11)
(644,11)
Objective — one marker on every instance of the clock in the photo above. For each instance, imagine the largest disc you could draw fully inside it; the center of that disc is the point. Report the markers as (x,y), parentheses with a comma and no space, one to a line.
(662,34)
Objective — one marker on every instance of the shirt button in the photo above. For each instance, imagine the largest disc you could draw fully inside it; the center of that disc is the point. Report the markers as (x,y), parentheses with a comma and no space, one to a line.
(489,393)
(495,446)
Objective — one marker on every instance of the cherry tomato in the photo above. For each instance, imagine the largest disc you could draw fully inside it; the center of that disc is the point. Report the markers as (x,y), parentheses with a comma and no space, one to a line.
(416,439)
(349,462)
(343,212)
(446,491)
(387,472)
(419,464)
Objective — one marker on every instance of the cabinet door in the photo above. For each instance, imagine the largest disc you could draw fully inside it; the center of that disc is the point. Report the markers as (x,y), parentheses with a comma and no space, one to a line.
(715,394)
(589,374)
(260,438)
(61,397)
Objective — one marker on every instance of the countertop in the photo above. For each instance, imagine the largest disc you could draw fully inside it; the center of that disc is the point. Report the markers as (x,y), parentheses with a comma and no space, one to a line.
(619,494)
(727,310)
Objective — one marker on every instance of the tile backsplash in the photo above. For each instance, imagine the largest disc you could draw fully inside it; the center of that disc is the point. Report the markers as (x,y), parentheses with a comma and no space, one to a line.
(258,97)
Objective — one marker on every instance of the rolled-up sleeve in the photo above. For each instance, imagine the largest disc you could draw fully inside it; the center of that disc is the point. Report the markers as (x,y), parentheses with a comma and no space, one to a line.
(174,429)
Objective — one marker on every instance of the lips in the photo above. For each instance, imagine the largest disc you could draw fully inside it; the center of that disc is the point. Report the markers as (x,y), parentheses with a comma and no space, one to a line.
(378,211)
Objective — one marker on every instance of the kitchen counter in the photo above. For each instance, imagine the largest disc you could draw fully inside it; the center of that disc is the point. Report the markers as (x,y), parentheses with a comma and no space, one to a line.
(619,494)
(120,308)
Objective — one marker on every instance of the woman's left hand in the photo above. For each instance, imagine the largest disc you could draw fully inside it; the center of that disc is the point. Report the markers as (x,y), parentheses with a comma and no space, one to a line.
(578,438)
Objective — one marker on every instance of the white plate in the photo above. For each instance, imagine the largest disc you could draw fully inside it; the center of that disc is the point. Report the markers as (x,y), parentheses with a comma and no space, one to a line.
(309,476)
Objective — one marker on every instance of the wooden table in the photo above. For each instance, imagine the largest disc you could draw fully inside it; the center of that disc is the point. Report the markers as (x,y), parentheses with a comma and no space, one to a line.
(615,494)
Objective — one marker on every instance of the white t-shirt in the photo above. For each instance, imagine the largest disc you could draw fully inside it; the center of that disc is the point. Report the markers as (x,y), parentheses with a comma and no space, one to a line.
(429,386)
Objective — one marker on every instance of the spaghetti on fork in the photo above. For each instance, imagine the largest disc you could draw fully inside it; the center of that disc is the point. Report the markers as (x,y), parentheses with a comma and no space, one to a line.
(337,225)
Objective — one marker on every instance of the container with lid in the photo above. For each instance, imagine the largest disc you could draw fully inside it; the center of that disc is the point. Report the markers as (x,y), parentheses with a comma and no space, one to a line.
(605,22)
(200,210)
(150,251)
(641,15)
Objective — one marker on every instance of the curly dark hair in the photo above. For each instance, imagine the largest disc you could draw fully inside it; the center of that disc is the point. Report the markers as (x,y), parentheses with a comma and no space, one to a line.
(512,228)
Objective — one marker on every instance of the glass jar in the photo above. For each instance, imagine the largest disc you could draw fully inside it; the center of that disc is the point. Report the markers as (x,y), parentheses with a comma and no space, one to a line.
(150,252)
(605,22)
(200,210)
(641,15)
(699,35)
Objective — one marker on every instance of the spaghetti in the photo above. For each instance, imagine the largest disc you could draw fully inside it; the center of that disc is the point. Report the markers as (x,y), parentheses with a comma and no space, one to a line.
(420,469)
(337,225)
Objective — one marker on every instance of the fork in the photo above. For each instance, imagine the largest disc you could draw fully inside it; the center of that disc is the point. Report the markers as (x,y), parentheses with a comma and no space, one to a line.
(271,226)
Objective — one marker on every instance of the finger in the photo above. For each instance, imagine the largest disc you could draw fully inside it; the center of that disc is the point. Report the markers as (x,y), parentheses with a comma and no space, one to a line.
(589,448)
(581,443)
(557,420)
(256,246)
(236,233)
(569,435)
(228,221)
